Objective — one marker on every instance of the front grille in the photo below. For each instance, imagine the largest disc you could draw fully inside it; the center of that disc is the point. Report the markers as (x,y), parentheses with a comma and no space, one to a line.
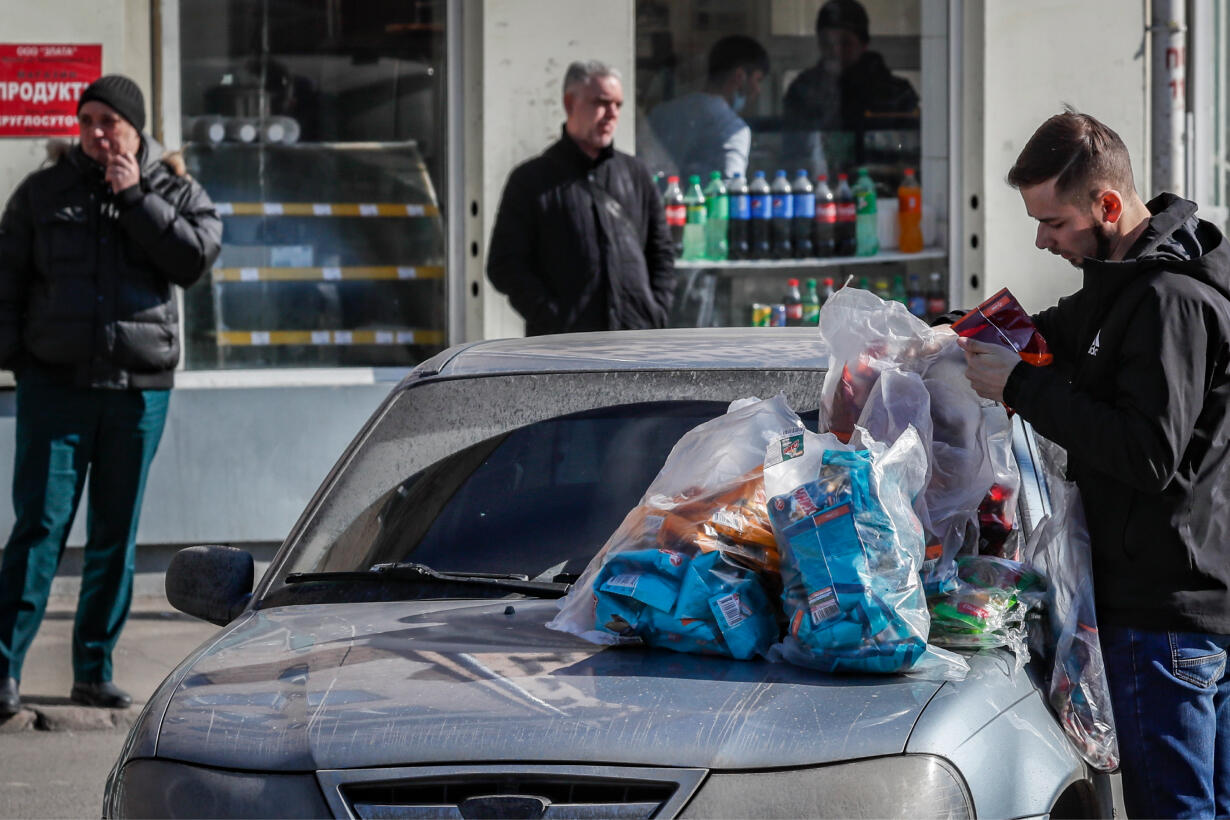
(547,792)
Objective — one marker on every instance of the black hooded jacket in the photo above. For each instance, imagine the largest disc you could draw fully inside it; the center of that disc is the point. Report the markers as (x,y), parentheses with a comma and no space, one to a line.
(581,244)
(87,277)
(1139,395)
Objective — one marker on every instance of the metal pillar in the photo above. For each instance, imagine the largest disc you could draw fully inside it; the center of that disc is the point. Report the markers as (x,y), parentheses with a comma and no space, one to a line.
(1168,30)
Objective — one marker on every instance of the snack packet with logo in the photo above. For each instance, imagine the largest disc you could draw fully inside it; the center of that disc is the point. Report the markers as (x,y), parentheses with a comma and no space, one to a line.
(694,565)
(851,549)
(1001,320)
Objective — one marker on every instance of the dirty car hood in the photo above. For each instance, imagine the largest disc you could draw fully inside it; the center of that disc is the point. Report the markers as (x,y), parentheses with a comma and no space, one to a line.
(377,684)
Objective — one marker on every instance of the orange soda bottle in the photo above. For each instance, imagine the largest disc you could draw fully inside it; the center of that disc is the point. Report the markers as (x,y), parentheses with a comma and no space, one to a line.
(909,213)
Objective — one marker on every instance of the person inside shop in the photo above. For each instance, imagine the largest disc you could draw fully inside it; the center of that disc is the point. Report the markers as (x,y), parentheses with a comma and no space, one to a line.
(1138,395)
(580,239)
(91,249)
(702,131)
(848,92)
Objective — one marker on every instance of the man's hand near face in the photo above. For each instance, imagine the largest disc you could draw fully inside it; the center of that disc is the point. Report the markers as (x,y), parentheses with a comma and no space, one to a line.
(122,172)
(987,366)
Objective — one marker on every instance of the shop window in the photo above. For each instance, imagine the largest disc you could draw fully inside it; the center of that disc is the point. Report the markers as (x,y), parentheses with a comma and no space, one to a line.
(318,127)
(843,85)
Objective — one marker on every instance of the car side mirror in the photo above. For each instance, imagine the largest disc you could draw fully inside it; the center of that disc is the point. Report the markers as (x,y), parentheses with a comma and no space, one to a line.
(213,583)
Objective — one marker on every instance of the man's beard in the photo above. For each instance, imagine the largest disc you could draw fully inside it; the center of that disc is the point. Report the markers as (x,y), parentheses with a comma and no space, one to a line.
(1102,246)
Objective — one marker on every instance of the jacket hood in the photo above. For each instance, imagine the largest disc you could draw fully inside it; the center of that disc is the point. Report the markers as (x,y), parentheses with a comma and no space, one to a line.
(1176,239)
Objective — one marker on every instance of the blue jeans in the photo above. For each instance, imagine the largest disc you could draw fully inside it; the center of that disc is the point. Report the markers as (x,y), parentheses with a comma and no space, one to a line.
(1169,691)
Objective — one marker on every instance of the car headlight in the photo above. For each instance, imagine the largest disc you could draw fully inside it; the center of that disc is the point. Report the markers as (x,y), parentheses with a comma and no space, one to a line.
(162,788)
(915,786)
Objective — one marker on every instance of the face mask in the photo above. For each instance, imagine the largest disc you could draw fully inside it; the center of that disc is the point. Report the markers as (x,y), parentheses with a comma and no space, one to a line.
(740,100)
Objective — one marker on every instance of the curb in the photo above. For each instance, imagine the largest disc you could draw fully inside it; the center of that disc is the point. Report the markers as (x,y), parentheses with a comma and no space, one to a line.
(56,718)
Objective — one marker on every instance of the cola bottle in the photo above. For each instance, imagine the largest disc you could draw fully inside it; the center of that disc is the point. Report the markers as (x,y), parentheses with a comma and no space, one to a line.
(804,223)
(762,216)
(783,216)
(825,238)
(676,213)
(846,227)
(740,215)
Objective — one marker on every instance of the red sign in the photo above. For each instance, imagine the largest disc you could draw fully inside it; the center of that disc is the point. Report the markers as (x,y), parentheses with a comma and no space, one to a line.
(39,87)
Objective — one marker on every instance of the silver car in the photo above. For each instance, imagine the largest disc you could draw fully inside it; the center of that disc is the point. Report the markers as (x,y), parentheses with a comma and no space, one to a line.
(394,659)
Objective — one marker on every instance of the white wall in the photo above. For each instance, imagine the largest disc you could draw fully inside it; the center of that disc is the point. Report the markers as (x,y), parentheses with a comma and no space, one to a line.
(121,26)
(1038,56)
(526,47)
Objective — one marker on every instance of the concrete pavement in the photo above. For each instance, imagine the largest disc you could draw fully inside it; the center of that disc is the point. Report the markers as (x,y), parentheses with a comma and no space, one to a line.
(154,641)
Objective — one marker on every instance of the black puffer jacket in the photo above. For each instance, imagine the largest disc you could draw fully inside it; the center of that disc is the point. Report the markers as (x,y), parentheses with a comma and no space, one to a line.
(1140,396)
(581,244)
(86,277)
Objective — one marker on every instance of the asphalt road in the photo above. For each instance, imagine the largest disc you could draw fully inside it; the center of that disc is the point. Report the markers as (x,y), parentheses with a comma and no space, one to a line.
(55,774)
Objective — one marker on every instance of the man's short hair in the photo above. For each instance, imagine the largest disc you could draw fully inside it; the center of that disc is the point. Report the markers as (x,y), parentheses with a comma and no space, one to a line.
(737,51)
(848,15)
(582,71)
(1080,153)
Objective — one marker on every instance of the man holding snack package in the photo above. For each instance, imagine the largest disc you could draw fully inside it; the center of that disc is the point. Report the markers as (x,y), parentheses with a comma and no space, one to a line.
(1137,393)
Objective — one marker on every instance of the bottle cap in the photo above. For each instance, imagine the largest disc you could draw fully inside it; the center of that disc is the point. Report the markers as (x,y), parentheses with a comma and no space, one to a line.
(909,172)
(735,175)
(822,177)
(694,179)
(781,173)
(792,283)
(672,179)
(802,172)
(716,175)
(760,175)
(811,283)
(839,177)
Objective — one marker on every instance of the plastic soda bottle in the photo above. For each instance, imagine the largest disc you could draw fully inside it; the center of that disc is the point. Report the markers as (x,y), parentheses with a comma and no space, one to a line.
(717,218)
(915,300)
(898,292)
(740,211)
(694,226)
(844,231)
(823,237)
(783,216)
(793,303)
(804,225)
(868,238)
(762,216)
(937,299)
(811,304)
(676,213)
(828,291)
(909,213)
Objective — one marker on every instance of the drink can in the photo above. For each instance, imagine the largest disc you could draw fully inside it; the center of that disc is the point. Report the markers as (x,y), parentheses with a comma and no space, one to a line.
(778,316)
(761,314)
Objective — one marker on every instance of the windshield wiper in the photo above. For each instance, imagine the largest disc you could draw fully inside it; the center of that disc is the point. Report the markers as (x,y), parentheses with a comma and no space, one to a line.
(421,573)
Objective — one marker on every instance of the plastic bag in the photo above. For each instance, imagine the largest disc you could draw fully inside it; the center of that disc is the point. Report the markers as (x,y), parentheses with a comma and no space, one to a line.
(693,567)
(878,355)
(1059,548)
(988,606)
(851,550)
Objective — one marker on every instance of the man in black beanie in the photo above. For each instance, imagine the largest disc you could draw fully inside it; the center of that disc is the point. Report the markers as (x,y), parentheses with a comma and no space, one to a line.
(850,90)
(91,249)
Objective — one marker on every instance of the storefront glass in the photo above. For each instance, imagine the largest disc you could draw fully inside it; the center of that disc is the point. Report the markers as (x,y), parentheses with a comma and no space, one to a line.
(318,127)
(842,86)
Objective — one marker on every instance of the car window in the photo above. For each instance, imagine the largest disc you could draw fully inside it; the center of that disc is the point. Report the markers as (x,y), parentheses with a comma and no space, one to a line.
(515,474)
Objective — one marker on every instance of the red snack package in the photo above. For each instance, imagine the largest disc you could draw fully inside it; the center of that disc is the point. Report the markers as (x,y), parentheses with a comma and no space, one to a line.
(1001,320)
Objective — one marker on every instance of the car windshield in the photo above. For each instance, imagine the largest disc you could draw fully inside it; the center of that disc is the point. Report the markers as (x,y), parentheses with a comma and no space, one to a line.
(530,479)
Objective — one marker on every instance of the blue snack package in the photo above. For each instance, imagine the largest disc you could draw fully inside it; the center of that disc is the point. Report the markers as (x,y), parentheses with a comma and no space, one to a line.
(695,635)
(649,588)
(619,615)
(745,619)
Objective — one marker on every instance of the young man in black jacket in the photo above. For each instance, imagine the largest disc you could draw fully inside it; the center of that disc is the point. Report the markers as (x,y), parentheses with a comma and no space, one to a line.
(1138,395)
(91,250)
(580,239)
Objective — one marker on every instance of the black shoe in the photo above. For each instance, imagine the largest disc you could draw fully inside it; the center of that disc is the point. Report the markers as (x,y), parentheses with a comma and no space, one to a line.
(105,694)
(10,701)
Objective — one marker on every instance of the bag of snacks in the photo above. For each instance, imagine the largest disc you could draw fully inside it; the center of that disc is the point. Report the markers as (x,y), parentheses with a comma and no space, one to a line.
(1001,320)
(694,566)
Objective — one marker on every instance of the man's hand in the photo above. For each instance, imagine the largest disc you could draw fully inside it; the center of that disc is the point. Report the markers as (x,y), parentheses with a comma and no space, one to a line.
(987,366)
(122,172)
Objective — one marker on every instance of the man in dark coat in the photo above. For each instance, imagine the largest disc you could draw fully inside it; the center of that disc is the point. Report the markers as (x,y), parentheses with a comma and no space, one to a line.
(1138,395)
(91,250)
(580,239)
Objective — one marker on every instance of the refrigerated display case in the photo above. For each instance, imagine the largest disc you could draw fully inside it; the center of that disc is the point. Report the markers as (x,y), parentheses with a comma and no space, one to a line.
(333,255)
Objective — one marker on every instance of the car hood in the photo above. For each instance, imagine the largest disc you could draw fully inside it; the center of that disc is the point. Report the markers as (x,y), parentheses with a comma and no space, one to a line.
(379,684)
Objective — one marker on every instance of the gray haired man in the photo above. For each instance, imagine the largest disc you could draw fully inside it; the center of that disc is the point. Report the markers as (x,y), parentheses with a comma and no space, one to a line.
(580,240)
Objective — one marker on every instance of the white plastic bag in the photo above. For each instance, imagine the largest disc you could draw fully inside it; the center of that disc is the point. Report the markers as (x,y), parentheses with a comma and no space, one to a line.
(693,567)
(851,550)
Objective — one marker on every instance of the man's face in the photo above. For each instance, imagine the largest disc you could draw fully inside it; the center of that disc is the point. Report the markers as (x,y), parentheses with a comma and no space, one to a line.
(1066,228)
(750,87)
(593,110)
(840,49)
(104,133)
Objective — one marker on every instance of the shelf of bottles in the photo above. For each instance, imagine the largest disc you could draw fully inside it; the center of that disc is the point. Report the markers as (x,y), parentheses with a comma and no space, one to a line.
(805,240)
(332,256)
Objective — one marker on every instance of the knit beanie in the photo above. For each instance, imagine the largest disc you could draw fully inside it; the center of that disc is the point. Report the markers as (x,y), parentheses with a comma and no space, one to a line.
(119,92)
(844,14)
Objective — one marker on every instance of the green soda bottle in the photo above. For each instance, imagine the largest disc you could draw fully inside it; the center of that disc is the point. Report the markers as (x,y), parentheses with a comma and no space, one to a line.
(811,304)
(694,228)
(866,232)
(717,217)
(898,291)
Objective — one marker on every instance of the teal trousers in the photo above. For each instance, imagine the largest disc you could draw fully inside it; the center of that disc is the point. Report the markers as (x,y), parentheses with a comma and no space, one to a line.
(65,434)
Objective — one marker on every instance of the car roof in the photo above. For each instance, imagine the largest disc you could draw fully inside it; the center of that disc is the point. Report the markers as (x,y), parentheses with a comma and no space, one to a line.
(724,348)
